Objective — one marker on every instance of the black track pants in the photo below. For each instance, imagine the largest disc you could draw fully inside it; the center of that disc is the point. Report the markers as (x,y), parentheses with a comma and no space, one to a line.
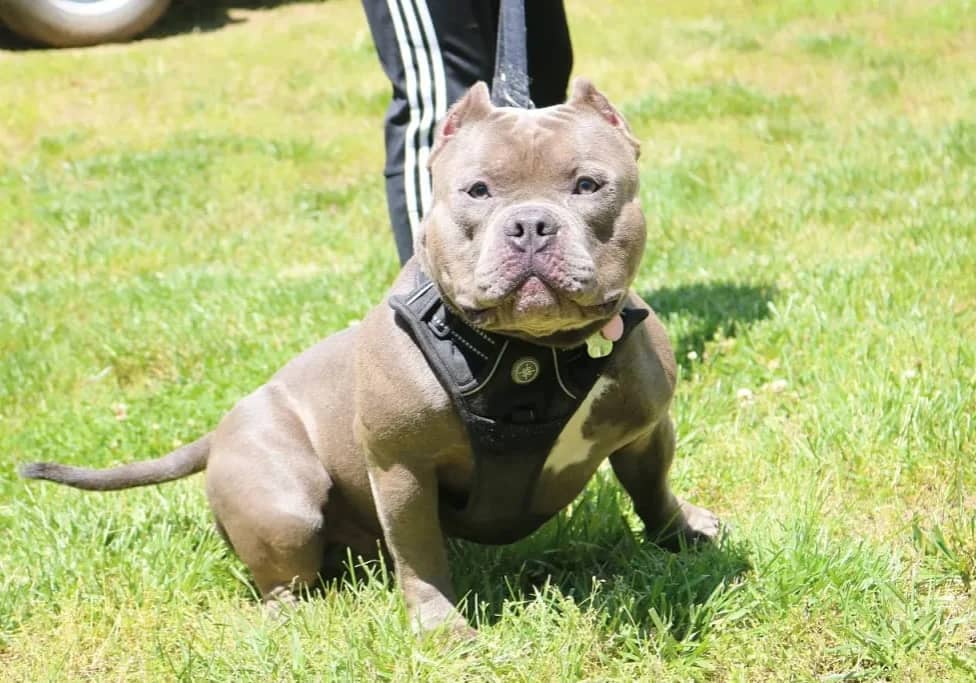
(433,51)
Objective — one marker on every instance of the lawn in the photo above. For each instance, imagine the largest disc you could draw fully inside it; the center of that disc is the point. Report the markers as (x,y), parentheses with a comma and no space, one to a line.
(181,215)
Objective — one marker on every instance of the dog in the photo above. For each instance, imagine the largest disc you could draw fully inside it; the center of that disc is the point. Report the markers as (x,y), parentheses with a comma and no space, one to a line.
(508,361)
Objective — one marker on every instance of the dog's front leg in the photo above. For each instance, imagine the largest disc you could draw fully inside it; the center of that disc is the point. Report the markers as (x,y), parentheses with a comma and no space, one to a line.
(642,467)
(406,500)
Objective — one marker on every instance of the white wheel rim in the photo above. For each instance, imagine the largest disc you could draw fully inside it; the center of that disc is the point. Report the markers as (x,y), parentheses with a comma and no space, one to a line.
(91,8)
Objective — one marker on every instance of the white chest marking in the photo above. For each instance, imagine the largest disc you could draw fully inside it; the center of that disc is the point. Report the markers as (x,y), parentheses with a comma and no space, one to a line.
(571,448)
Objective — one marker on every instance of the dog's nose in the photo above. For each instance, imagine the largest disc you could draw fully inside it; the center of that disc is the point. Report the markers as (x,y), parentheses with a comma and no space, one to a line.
(531,228)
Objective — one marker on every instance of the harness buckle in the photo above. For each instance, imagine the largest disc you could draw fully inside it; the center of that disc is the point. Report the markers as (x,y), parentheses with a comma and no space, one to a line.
(439,327)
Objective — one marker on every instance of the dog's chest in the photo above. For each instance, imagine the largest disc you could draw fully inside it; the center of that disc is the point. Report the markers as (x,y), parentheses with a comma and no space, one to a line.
(505,498)
(586,441)
(578,440)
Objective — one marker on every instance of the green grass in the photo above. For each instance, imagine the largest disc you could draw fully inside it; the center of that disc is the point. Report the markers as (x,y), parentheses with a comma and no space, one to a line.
(181,215)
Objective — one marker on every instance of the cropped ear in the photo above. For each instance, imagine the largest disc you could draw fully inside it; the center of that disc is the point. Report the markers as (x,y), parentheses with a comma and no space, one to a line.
(473,106)
(586,96)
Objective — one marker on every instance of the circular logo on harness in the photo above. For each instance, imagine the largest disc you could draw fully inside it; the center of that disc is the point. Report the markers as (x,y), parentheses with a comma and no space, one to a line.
(525,370)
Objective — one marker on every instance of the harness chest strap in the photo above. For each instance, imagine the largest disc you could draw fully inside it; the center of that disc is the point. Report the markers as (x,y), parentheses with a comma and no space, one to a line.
(514,398)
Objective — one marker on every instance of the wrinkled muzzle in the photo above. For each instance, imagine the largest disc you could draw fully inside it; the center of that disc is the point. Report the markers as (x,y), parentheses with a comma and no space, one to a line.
(537,248)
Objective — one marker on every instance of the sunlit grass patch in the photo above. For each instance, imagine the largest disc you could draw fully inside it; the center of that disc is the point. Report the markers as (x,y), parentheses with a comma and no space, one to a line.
(706,102)
(181,215)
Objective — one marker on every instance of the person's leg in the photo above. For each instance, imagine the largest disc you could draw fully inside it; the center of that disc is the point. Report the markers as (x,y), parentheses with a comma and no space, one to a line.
(392,45)
(431,51)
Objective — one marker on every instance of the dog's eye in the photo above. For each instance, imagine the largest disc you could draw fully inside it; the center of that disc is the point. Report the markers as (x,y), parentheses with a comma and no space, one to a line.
(479,191)
(586,185)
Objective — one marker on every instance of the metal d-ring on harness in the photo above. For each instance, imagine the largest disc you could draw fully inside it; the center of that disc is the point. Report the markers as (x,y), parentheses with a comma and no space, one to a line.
(514,397)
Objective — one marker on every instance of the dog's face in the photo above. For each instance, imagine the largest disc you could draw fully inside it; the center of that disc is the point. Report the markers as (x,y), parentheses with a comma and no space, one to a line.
(535,230)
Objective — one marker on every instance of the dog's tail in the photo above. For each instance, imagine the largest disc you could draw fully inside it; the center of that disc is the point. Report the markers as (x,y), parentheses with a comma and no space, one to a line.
(182,462)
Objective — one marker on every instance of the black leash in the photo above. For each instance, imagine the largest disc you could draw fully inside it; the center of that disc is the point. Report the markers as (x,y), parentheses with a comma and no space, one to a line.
(510,85)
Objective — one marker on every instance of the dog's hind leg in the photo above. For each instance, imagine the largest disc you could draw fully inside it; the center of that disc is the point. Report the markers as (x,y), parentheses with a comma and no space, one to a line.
(276,527)
(269,492)
(278,532)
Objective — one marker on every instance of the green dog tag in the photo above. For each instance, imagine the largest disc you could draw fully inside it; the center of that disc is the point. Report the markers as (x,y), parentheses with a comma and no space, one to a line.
(598,346)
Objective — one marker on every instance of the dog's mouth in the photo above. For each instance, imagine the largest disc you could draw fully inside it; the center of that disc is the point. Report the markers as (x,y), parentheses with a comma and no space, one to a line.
(540,300)
(538,312)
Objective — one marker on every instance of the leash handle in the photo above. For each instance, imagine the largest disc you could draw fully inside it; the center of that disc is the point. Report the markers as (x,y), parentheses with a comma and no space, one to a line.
(510,85)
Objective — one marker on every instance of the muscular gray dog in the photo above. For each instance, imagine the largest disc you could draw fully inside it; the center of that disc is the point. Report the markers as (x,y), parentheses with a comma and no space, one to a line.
(508,361)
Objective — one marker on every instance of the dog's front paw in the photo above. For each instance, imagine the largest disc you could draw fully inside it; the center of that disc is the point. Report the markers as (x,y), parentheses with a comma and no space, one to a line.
(689,526)
(699,524)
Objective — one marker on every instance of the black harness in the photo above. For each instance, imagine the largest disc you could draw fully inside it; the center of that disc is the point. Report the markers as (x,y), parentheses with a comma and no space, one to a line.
(513,396)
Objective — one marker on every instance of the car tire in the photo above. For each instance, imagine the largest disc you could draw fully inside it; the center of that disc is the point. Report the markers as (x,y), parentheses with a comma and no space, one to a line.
(75,23)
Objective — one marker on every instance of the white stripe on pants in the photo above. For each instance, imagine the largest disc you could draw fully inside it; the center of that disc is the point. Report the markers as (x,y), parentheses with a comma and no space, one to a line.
(426,95)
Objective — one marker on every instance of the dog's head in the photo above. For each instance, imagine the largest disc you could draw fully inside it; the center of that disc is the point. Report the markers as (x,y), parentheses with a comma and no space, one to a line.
(535,230)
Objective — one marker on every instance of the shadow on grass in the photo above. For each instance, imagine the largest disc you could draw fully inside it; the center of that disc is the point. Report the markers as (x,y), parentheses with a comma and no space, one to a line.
(694,314)
(196,16)
(588,555)
(183,16)
(594,557)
